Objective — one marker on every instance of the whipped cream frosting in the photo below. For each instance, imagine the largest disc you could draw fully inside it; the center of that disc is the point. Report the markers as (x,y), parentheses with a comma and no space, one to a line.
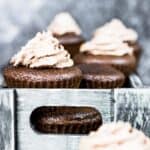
(106,45)
(64,23)
(43,51)
(117,29)
(115,136)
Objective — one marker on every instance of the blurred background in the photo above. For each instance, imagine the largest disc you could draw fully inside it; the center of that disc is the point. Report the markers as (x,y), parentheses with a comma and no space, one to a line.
(21,19)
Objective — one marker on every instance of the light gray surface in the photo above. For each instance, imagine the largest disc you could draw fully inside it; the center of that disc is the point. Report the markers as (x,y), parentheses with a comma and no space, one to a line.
(120,104)
(20,20)
(7,120)
(29,100)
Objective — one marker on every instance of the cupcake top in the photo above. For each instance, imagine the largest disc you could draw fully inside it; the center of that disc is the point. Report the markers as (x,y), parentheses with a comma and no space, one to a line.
(115,136)
(116,28)
(64,23)
(106,45)
(43,51)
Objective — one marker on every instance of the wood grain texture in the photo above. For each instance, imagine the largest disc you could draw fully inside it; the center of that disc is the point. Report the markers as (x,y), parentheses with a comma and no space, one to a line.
(28,100)
(133,105)
(7,120)
(120,104)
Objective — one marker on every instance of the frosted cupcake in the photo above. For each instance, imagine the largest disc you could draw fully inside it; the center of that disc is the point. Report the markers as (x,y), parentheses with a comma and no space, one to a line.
(115,136)
(67,31)
(117,29)
(42,63)
(107,50)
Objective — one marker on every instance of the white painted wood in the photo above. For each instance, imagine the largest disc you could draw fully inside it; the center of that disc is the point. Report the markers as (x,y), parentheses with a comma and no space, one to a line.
(135,81)
(7,120)
(133,105)
(28,100)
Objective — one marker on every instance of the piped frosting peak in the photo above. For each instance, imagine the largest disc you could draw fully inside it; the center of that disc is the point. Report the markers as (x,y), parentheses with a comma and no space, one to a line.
(64,23)
(106,45)
(43,51)
(117,29)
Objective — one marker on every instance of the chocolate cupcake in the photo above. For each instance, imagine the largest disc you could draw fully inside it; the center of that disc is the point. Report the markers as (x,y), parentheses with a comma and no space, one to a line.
(136,47)
(101,76)
(42,63)
(117,29)
(63,119)
(115,136)
(108,51)
(67,31)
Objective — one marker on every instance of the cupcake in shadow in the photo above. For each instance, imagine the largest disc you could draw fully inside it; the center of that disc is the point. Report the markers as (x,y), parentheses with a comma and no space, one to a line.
(42,63)
(117,29)
(67,31)
(107,50)
(115,136)
(100,76)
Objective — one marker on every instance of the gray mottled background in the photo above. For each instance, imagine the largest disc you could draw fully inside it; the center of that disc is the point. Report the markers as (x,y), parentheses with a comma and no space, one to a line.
(20,20)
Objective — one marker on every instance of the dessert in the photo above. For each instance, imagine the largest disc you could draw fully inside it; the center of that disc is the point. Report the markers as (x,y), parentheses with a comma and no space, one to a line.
(65,119)
(107,51)
(42,63)
(115,136)
(117,29)
(101,76)
(67,31)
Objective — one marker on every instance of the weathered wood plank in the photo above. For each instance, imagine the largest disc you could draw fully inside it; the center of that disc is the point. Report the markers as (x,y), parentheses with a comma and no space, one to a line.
(7,120)
(133,105)
(28,100)
(120,104)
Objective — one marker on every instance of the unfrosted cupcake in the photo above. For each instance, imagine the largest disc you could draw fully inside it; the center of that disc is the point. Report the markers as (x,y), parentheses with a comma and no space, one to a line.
(115,136)
(107,50)
(100,76)
(42,63)
(117,29)
(67,31)
(66,119)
